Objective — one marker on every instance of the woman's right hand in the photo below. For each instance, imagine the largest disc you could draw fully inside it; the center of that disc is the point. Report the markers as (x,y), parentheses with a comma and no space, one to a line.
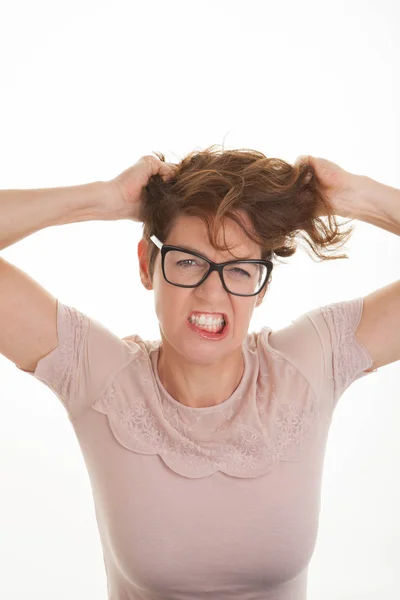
(127,189)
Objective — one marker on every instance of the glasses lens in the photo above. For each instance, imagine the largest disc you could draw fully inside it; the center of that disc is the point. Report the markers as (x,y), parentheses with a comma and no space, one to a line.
(183,268)
(244,278)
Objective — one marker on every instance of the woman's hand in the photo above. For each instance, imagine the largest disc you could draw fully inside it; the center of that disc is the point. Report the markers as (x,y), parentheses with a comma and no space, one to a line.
(339,186)
(127,189)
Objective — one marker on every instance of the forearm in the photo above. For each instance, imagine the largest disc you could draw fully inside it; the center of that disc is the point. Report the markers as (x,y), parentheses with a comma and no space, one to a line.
(23,212)
(374,203)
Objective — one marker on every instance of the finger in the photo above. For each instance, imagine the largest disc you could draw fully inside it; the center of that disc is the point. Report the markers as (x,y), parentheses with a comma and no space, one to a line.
(168,171)
(302,159)
(167,168)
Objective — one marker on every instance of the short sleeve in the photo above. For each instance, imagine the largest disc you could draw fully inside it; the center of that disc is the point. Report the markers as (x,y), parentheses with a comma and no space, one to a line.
(346,359)
(85,361)
(323,346)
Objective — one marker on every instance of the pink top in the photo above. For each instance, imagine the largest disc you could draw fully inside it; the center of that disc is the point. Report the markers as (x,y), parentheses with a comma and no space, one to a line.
(219,502)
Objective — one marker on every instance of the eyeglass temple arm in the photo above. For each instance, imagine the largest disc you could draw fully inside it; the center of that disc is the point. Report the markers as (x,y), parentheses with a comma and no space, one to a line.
(156,241)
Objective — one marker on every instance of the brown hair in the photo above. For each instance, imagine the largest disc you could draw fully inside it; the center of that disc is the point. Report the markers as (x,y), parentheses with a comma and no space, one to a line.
(281,201)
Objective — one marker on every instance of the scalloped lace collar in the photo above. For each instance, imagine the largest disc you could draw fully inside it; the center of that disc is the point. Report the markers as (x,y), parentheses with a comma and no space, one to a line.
(244,436)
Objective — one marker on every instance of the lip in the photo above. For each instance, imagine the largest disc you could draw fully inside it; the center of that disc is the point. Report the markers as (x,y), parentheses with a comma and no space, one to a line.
(208,335)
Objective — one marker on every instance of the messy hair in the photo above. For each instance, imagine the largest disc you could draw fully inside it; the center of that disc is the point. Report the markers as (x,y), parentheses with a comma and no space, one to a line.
(281,201)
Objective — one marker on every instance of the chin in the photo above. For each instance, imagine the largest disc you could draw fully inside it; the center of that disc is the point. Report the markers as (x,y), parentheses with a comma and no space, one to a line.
(199,351)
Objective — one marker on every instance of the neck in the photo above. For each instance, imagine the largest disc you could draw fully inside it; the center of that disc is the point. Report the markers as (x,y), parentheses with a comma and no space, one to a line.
(199,385)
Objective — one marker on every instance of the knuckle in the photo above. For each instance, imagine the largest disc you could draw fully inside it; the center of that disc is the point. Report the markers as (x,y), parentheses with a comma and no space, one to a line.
(150,159)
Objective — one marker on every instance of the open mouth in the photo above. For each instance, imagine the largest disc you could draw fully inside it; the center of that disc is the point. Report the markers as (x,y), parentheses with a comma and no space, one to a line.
(210,332)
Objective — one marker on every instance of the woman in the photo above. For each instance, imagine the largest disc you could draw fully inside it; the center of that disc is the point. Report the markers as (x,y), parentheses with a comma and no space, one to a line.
(205,448)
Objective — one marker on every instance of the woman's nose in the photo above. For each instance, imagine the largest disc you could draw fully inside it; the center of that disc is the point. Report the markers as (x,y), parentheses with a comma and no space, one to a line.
(213,282)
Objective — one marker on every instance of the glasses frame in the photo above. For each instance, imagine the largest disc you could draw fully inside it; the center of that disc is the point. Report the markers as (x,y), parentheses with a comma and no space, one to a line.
(164,248)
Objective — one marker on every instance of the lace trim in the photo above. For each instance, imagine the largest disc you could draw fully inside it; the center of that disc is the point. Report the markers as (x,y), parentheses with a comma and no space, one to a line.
(244,436)
(349,356)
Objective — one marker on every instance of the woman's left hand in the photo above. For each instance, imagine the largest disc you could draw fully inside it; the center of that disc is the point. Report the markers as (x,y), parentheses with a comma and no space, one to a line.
(339,186)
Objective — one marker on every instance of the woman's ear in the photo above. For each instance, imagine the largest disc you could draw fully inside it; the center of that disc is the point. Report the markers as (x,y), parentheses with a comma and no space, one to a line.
(261,296)
(143,265)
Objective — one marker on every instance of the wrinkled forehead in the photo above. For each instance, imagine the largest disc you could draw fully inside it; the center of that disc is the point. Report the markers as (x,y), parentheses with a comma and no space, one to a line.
(191,233)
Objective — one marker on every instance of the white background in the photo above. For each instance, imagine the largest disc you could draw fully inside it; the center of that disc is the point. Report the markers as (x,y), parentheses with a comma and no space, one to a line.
(89,87)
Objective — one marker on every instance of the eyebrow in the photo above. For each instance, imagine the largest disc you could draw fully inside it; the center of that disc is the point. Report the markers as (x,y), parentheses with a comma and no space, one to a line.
(189,249)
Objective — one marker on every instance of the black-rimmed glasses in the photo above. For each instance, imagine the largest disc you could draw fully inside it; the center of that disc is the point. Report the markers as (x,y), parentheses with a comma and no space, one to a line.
(189,269)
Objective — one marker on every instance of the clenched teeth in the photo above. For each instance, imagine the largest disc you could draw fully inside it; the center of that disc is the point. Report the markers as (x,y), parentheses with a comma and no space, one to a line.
(207,321)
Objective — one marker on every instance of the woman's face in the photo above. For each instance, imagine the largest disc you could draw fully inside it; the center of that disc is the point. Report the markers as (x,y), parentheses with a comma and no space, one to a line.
(174,304)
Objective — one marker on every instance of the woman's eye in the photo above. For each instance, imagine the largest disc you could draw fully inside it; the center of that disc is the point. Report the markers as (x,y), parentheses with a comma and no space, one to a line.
(185,262)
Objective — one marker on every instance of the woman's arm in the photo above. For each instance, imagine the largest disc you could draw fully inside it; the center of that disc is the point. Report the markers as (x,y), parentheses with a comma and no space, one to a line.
(23,212)
(374,203)
(378,330)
